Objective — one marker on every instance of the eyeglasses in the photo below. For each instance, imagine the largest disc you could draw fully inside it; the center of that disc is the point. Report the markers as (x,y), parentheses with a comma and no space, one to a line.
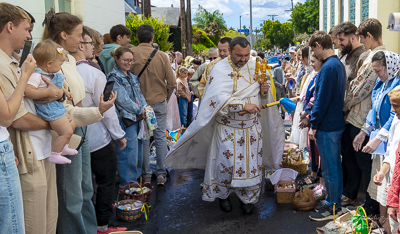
(128,60)
(212,58)
(88,42)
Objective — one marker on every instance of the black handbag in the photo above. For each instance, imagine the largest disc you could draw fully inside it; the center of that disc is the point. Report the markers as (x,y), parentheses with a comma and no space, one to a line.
(128,122)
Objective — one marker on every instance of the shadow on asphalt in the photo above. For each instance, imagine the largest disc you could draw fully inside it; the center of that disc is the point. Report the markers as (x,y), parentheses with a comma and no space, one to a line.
(178,208)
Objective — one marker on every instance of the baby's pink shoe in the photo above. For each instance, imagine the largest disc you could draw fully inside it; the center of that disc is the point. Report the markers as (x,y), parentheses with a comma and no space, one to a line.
(68,151)
(56,158)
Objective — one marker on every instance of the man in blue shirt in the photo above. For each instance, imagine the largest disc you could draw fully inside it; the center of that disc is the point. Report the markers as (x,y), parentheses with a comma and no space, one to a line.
(327,122)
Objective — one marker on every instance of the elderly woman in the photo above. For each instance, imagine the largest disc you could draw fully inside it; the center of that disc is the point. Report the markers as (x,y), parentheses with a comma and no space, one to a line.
(129,105)
(386,66)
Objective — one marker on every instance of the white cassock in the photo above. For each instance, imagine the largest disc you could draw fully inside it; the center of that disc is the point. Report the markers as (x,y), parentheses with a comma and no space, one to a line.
(231,148)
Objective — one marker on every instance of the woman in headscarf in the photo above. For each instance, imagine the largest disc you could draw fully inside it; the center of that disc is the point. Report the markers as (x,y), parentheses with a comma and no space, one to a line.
(386,66)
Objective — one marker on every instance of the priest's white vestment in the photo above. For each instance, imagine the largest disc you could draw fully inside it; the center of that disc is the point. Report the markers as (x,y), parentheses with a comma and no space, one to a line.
(231,148)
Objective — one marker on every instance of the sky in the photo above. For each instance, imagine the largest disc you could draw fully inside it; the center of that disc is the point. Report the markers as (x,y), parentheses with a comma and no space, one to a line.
(232,9)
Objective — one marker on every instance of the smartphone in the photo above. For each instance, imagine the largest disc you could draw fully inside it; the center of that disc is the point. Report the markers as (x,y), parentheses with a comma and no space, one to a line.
(107,90)
(25,52)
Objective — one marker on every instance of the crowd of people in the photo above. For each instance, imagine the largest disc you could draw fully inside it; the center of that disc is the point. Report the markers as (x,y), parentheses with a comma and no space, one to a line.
(346,117)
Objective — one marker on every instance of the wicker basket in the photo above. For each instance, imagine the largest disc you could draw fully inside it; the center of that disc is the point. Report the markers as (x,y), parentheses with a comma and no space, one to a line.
(128,215)
(300,167)
(285,195)
(298,205)
(145,197)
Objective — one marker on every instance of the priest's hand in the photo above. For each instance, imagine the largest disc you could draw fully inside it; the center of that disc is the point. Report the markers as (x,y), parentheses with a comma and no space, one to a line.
(264,87)
(252,108)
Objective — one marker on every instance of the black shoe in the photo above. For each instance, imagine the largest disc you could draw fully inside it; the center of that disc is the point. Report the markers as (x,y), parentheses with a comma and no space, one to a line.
(225,205)
(247,208)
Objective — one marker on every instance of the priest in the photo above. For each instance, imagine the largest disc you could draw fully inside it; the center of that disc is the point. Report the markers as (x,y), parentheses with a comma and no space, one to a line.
(231,147)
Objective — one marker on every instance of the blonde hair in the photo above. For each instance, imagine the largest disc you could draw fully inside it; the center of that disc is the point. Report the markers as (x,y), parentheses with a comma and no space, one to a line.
(119,51)
(191,72)
(180,70)
(46,51)
(11,13)
(395,93)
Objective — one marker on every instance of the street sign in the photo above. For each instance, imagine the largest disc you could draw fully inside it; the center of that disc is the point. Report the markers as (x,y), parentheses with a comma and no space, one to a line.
(245,31)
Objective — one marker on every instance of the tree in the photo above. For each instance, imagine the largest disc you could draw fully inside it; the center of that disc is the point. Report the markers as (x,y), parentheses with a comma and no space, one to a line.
(161,33)
(305,16)
(263,44)
(212,23)
(233,33)
(277,33)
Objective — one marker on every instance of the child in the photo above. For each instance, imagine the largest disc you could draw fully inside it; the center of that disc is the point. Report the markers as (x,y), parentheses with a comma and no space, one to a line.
(49,58)
(183,93)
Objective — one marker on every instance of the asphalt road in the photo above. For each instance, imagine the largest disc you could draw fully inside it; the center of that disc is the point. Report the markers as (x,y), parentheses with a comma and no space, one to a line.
(178,208)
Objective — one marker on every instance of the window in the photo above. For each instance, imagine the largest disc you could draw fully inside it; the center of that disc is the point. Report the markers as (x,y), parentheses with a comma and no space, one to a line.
(353,11)
(64,5)
(341,11)
(365,10)
(325,15)
(48,4)
(332,13)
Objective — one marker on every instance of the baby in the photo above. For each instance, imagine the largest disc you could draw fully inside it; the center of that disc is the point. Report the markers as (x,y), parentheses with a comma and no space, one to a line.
(49,57)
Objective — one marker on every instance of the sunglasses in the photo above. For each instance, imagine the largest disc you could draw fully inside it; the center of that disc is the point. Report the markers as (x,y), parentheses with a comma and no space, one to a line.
(212,58)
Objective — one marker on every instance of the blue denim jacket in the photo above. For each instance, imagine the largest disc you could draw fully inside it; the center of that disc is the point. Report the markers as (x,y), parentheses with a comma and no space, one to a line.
(130,101)
(382,109)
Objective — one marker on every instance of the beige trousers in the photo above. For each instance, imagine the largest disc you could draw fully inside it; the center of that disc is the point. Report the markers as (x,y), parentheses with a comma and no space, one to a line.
(40,202)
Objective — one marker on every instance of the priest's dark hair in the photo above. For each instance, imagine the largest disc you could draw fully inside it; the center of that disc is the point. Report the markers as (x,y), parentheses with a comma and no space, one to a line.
(241,41)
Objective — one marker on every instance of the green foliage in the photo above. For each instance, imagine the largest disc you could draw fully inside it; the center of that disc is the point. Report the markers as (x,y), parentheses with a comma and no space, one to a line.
(233,33)
(305,16)
(161,33)
(200,37)
(277,33)
(212,23)
(199,49)
(262,44)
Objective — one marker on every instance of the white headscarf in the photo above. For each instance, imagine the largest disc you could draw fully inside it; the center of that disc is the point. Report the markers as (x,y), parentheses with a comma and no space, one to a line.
(392,64)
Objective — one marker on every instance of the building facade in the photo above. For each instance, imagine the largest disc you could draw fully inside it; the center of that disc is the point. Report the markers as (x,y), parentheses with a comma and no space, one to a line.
(100,15)
(333,12)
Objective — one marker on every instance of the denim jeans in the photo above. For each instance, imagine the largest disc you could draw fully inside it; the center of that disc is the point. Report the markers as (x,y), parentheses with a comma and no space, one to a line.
(76,213)
(183,110)
(329,145)
(130,160)
(11,211)
(160,109)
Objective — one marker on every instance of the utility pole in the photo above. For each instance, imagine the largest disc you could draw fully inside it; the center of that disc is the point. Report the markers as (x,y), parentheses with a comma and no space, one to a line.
(273,17)
(146,8)
(183,29)
(189,28)
(251,26)
(294,32)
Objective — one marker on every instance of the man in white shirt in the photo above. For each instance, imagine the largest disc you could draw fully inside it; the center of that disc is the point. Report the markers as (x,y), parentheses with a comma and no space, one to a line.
(100,134)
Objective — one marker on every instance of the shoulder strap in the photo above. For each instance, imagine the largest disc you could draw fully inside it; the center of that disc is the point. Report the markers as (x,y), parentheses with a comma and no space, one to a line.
(148,62)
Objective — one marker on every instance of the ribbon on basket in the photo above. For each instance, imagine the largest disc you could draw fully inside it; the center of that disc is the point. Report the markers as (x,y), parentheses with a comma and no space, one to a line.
(143,210)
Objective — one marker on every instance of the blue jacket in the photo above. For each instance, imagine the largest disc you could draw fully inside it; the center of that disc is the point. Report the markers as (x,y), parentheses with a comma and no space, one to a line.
(106,59)
(383,107)
(130,101)
(330,87)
